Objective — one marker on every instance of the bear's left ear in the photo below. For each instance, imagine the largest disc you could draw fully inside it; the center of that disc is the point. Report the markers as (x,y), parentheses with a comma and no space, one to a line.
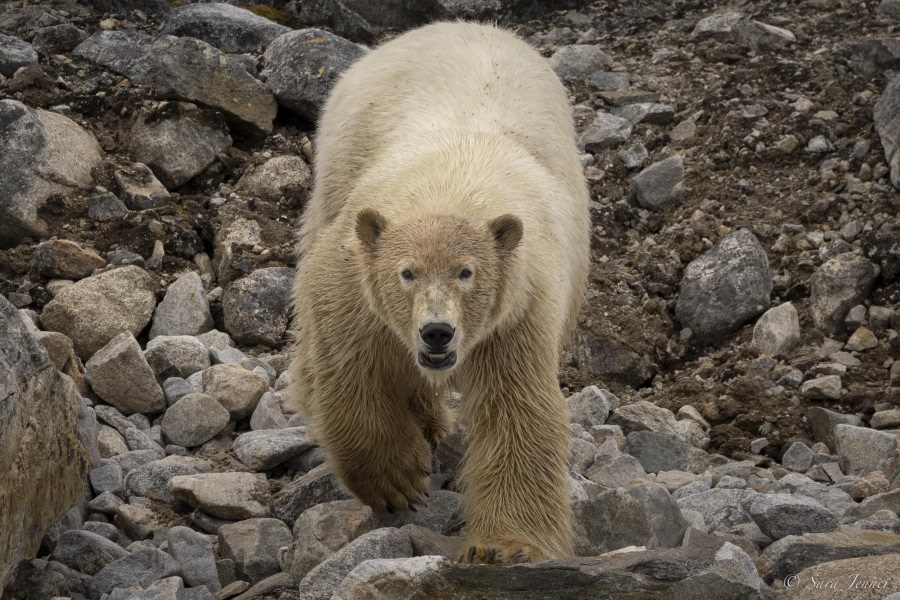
(507,232)
(370,224)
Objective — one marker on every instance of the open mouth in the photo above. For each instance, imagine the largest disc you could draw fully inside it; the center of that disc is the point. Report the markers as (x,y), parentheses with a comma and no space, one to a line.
(437,361)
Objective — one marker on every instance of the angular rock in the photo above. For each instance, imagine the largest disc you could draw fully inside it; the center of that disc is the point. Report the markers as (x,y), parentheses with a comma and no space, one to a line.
(762,37)
(184,310)
(117,50)
(798,457)
(591,406)
(63,259)
(268,448)
(41,153)
(777,331)
(822,422)
(194,553)
(862,339)
(661,452)
(660,184)
(178,141)
(862,450)
(58,39)
(616,471)
(106,207)
(781,515)
(176,356)
(281,176)
(719,26)
(140,189)
(236,388)
(152,480)
(256,307)
(322,581)
(722,509)
(822,388)
(646,112)
(120,375)
(301,68)
(576,64)
(107,478)
(86,552)
(837,286)
(267,414)
(141,568)
(397,578)
(635,515)
(865,578)
(318,486)
(886,419)
(792,554)
(229,28)
(253,545)
(224,495)
(725,287)
(194,419)
(95,310)
(644,416)
(323,530)
(605,131)
(15,54)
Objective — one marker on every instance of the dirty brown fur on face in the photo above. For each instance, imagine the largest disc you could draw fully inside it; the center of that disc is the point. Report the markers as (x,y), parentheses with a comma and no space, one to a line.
(454,201)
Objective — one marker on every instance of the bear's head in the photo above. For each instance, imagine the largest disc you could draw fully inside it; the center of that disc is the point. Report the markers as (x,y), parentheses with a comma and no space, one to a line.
(438,281)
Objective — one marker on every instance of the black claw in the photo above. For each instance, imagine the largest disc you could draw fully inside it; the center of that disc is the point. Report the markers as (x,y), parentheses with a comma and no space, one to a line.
(519,556)
(389,507)
(491,555)
(427,495)
(470,555)
(412,507)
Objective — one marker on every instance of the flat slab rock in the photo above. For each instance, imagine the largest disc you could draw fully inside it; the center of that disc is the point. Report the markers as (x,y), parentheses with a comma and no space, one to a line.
(696,572)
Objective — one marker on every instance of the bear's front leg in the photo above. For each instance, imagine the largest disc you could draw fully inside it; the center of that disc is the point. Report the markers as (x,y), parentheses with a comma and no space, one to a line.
(514,477)
(373,443)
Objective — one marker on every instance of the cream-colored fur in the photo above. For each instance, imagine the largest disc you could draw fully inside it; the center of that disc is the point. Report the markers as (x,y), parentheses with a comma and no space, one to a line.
(448,148)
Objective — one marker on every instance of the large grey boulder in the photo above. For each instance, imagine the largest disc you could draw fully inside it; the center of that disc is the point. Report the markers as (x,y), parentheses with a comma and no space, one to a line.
(39,445)
(254,545)
(323,530)
(725,287)
(118,50)
(229,28)
(119,373)
(178,141)
(41,153)
(184,310)
(230,495)
(302,67)
(94,310)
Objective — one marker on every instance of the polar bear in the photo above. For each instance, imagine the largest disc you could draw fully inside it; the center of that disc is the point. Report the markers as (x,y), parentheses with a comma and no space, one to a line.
(445,246)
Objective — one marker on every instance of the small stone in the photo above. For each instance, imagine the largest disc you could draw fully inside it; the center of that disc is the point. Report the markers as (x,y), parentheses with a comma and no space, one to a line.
(279,177)
(722,509)
(725,286)
(822,388)
(267,414)
(120,375)
(107,478)
(253,545)
(787,144)
(591,406)
(176,356)
(646,112)
(633,157)
(605,131)
(110,442)
(576,64)
(660,184)
(777,331)
(684,131)
(152,480)
(139,188)
(862,339)
(194,420)
(268,448)
(718,26)
(256,307)
(225,495)
(58,39)
(845,359)
(757,445)
(138,522)
(644,416)
(880,317)
(106,503)
(862,450)
(609,80)
(798,457)
(886,419)
(237,389)
(66,260)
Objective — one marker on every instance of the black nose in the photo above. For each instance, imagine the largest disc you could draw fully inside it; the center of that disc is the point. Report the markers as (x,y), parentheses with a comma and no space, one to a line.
(437,335)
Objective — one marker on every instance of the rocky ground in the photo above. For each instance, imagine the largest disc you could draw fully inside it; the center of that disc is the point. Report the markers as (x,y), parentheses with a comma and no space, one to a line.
(733,383)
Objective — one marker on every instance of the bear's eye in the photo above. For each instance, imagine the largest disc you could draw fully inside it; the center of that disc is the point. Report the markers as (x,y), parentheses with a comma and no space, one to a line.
(407,275)
(465,274)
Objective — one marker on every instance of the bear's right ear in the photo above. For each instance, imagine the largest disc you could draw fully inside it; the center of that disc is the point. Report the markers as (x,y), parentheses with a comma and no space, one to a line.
(370,224)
